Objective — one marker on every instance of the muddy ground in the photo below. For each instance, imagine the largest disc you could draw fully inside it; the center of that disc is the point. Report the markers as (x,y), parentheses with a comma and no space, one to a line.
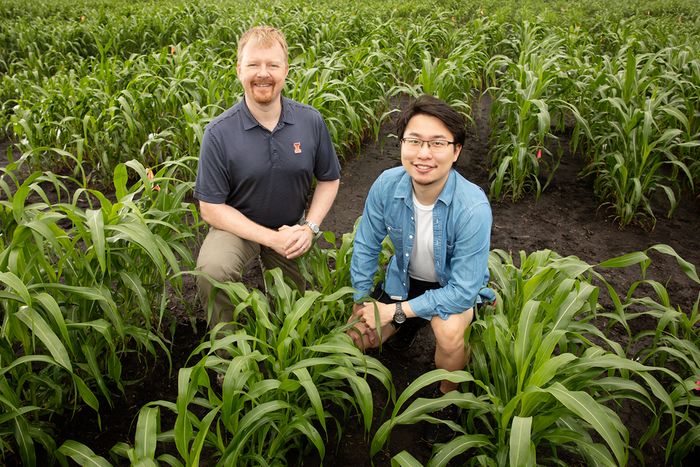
(565,219)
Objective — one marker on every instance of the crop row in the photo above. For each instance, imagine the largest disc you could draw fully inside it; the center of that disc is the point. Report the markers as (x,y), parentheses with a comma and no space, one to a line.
(119,84)
(635,111)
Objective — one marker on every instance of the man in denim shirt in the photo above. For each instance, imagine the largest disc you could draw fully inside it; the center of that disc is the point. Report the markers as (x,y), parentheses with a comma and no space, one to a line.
(440,226)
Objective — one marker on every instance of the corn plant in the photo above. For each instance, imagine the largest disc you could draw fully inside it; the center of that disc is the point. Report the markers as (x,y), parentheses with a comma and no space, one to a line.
(288,363)
(448,80)
(674,344)
(80,288)
(525,98)
(126,109)
(632,144)
(537,379)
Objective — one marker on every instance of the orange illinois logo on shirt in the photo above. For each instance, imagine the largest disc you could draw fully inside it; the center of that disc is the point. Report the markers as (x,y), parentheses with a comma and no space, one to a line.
(297,148)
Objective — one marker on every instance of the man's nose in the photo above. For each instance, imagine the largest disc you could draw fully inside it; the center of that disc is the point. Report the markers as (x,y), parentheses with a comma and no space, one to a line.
(424,151)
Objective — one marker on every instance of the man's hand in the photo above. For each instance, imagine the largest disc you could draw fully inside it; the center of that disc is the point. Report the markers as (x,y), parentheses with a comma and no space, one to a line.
(365,312)
(298,242)
(279,238)
(366,337)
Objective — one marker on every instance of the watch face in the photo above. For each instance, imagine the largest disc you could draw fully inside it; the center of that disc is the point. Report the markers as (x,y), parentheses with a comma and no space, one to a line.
(399,315)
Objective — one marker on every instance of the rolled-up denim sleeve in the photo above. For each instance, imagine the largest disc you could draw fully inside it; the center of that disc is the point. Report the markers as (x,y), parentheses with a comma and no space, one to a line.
(469,266)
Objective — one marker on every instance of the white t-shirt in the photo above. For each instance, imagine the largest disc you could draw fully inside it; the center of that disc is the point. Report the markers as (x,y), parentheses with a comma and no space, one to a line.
(422,263)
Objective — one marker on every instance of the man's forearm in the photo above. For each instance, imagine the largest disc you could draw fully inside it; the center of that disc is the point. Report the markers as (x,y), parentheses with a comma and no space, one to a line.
(225,217)
(323,198)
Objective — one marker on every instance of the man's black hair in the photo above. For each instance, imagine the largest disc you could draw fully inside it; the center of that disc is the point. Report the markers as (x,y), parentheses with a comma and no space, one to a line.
(434,107)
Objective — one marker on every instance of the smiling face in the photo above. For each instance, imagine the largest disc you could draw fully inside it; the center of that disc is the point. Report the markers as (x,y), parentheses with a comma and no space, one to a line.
(262,71)
(428,169)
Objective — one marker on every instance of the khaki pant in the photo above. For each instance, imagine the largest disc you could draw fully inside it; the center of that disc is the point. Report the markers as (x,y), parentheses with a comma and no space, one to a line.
(223,257)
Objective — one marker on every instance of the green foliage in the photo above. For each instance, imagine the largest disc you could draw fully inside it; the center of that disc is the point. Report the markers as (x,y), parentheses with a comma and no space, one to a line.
(85,281)
(636,132)
(284,368)
(539,379)
(106,81)
(97,92)
(526,96)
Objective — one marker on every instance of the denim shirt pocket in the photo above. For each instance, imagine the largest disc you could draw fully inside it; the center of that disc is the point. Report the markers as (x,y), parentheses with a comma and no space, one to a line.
(396,237)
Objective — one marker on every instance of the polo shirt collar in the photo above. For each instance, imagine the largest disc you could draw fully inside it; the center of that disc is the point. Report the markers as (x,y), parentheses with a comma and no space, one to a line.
(250,122)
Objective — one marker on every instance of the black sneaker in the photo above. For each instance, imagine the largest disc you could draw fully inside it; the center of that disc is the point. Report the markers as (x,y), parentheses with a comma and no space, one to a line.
(404,336)
(439,433)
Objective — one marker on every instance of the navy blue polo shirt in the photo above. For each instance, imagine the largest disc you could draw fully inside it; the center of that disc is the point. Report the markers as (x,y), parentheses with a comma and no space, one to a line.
(265,175)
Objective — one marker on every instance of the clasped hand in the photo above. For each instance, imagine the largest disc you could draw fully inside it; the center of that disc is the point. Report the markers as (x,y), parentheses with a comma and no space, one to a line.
(294,241)
(365,312)
(367,326)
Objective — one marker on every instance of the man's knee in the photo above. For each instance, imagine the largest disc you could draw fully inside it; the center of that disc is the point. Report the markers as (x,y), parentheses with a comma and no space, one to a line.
(223,256)
(451,341)
(449,334)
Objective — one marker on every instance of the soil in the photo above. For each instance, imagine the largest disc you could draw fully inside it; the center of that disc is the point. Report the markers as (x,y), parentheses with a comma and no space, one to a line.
(566,219)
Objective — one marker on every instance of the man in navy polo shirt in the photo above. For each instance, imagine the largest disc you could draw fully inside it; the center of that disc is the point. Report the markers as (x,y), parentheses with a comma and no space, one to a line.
(256,167)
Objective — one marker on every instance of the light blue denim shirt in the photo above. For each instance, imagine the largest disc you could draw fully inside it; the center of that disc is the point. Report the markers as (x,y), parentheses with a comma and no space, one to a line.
(461,242)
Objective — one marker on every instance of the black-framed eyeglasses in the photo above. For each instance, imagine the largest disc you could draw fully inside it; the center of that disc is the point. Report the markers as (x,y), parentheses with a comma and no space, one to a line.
(435,145)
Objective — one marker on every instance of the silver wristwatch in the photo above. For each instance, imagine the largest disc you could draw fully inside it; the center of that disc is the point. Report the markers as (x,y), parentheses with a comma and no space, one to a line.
(314,227)
(399,315)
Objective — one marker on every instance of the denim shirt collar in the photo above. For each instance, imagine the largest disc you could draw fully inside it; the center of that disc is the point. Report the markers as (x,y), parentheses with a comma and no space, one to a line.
(404,189)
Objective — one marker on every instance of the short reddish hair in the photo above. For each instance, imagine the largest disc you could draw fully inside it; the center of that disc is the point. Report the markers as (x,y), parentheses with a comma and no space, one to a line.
(262,36)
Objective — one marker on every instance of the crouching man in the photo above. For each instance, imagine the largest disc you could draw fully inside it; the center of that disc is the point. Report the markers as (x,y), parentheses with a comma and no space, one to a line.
(440,226)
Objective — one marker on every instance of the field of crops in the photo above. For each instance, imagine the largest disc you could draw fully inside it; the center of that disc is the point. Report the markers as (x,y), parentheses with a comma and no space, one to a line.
(105,102)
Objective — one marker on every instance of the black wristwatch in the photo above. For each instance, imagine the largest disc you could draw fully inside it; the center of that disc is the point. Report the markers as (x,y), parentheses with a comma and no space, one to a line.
(314,227)
(399,315)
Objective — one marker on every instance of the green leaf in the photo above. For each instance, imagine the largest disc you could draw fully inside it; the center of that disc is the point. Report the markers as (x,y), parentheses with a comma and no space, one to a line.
(456,447)
(198,443)
(404,459)
(14,282)
(520,442)
(52,307)
(91,357)
(624,261)
(24,441)
(687,267)
(583,405)
(95,222)
(524,338)
(53,344)
(312,392)
(82,454)
(146,433)
(133,282)
(87,395)
(120,179)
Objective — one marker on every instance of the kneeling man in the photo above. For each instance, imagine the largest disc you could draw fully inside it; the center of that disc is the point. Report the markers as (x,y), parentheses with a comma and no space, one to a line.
(440,226)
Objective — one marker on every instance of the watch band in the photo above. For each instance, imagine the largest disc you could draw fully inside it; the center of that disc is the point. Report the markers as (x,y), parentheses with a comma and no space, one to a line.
(314,227)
